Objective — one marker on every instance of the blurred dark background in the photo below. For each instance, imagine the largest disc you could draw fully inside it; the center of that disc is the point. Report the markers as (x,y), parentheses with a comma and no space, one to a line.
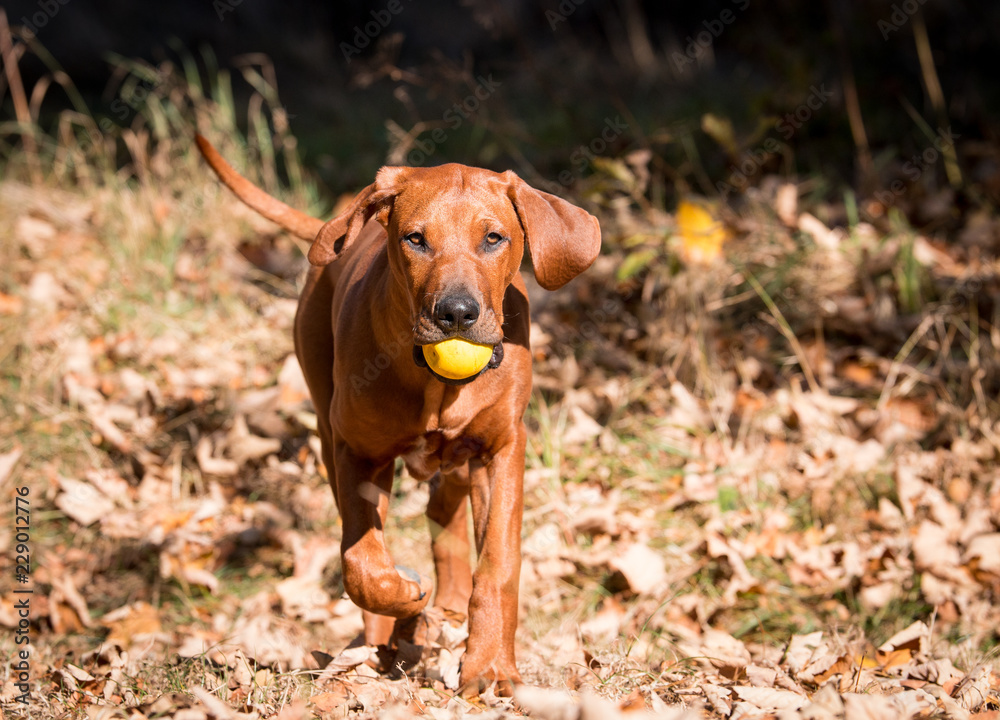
(721,93)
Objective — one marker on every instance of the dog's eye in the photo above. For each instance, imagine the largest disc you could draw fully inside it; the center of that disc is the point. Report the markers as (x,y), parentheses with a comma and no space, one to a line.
(415,239)
(494,238)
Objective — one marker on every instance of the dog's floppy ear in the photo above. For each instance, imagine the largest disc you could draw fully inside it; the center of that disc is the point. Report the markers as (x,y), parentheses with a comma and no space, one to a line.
(374,201)
(563,240)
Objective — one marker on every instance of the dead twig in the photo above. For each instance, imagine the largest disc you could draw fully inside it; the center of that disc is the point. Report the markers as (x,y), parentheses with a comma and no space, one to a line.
(10,57)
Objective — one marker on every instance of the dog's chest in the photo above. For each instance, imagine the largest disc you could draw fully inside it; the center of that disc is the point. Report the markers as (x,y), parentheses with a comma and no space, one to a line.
(433,452)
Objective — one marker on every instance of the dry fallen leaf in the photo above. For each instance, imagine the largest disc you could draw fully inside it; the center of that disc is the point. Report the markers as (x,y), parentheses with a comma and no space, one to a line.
(132,623)
(786,204)
(349,659)
(719,697)
(767,698)
(908,643)
(984,552)
(605,623)
(8,461)
(642,568)
(724,652)
(211,465)
(68,609)
(825,237)
(82,502)
(933,549)
(580,428)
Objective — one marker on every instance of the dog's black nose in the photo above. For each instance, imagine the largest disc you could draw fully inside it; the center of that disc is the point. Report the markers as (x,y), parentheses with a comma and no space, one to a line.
(456,312)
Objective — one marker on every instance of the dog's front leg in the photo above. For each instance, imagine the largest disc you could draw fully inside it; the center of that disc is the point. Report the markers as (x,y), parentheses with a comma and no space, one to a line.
(497,507)
(371,579)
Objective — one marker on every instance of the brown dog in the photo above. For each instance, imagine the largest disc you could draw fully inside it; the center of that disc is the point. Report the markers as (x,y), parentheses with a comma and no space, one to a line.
(425,254)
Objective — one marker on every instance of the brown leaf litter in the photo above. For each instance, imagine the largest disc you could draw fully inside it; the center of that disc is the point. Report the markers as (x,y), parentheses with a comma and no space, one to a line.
(708,531)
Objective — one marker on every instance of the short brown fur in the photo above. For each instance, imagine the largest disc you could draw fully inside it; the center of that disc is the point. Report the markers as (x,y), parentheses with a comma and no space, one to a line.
(411,241)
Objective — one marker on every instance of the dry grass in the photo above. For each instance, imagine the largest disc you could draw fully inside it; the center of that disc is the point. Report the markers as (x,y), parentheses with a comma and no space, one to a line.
(781,438)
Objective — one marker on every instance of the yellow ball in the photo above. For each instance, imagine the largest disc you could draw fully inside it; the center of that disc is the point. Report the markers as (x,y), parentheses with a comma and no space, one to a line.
(457,359)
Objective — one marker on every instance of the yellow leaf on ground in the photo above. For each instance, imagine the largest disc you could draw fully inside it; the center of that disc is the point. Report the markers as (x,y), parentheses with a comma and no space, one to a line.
(701,233)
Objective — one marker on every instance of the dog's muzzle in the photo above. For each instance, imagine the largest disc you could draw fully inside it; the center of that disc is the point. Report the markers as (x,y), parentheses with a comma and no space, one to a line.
(495,360)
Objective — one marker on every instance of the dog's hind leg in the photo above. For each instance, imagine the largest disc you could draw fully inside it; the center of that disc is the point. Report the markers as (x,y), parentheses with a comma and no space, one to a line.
(448,514)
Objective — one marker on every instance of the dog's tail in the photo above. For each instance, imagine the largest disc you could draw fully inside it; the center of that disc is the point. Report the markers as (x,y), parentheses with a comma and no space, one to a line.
(294,221)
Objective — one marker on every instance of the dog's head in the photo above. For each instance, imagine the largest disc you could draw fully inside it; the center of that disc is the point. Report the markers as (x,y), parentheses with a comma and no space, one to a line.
(456,236)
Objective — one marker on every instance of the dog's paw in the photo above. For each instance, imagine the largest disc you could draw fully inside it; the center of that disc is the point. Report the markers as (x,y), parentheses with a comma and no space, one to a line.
(477,676)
